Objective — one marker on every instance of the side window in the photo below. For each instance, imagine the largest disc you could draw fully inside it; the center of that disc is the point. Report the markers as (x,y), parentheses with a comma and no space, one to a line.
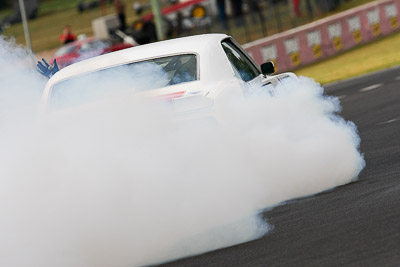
(239,61)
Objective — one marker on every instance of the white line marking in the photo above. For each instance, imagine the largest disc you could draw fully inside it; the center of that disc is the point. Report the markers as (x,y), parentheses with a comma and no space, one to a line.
(341,96)
(361,76)
(389,121)
(372,87)
(397,78)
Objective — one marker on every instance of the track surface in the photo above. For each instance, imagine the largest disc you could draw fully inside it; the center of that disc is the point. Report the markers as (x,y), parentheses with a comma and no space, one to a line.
(354,225)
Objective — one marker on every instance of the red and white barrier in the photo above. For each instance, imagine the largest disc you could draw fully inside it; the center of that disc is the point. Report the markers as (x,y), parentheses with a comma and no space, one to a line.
(323,38)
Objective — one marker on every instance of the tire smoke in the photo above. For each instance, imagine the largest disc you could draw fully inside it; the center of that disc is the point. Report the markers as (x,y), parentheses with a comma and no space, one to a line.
(123,183)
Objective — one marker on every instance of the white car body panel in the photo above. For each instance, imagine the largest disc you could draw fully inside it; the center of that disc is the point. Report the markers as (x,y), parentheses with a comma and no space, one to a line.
(215,72)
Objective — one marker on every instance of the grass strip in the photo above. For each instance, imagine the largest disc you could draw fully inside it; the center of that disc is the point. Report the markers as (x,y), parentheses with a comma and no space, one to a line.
(378,55)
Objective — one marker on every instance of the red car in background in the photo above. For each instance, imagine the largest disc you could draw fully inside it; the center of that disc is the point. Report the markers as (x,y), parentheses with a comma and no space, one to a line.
(84,49)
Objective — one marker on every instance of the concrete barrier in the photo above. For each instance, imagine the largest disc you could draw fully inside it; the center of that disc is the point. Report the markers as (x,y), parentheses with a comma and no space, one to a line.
(326,37)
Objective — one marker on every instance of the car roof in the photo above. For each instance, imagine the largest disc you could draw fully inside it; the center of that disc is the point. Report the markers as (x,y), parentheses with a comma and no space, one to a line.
(199,44)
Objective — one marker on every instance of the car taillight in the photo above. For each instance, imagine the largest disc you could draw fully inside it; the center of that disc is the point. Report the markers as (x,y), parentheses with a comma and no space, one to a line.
(171,96)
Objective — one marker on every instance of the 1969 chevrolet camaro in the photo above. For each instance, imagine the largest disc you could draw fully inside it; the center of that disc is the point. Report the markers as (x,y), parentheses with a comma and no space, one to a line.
(191,72)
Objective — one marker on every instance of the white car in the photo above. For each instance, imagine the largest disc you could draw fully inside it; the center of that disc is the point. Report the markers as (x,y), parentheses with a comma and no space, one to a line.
(191,72)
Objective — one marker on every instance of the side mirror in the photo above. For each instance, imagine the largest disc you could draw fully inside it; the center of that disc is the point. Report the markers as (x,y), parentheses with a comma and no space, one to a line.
(267,68)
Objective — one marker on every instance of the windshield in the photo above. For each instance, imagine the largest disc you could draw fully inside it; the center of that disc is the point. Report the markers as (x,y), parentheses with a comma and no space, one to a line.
(132,77)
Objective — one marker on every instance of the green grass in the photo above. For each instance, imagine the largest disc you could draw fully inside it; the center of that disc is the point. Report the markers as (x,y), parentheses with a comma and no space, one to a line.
(374,56)
(51,6)
(5,12)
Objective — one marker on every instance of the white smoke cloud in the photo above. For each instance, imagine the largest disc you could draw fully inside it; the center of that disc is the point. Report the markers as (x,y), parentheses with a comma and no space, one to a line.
(124,184)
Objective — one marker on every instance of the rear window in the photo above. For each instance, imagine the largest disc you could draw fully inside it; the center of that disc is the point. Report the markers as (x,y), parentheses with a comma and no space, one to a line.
(134,77)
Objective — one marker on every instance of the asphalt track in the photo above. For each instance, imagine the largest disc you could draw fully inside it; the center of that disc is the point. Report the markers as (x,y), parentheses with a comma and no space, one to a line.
(357,224)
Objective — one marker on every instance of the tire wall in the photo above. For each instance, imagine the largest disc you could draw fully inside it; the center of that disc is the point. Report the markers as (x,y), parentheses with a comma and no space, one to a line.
(326,37)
